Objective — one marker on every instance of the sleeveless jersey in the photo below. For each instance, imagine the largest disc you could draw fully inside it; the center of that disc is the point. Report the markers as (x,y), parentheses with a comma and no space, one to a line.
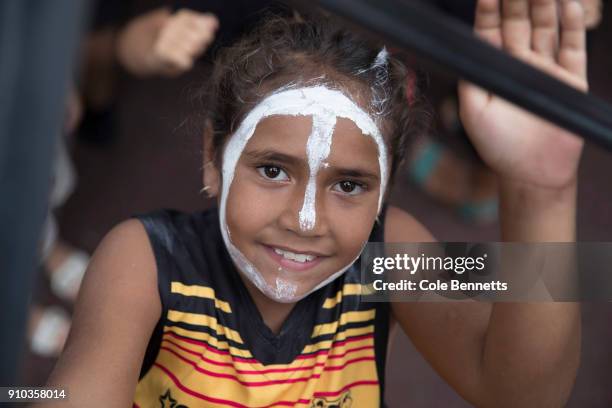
(211,347)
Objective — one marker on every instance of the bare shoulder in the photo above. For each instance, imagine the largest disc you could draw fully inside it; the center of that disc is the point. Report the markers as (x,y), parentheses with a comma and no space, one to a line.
(116,311)
(401,226)
(124,266)
(125,256)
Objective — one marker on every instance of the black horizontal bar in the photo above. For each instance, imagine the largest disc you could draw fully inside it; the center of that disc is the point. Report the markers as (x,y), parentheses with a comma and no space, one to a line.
(448,42)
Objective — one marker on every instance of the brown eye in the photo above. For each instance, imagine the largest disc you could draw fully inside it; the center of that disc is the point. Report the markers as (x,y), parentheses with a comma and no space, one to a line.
(273,173)
(349,187)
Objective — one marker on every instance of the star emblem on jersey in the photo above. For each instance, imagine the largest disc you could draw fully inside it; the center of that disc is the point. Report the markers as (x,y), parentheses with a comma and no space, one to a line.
(168,402)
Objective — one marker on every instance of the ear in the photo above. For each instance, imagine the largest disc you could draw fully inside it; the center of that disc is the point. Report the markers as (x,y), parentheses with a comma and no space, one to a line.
(212,175)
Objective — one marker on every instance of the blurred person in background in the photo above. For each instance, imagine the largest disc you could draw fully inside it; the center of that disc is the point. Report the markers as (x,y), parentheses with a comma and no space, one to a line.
(63,264)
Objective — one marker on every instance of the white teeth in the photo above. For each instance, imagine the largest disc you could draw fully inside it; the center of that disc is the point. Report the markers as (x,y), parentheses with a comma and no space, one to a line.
(293,256)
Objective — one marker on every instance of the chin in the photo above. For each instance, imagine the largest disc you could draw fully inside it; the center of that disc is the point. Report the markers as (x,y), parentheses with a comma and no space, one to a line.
(283,289)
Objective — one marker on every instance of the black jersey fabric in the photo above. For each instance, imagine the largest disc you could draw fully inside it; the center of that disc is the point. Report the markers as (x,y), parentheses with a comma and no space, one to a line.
(190,252)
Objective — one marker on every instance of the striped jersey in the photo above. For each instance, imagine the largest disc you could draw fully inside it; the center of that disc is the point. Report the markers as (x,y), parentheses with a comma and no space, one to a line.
(211,347)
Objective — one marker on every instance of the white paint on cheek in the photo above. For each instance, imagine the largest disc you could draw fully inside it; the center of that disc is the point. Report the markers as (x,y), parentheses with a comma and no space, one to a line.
(317,150)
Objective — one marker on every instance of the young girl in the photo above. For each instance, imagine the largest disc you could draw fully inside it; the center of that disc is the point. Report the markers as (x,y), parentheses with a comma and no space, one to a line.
(255,304)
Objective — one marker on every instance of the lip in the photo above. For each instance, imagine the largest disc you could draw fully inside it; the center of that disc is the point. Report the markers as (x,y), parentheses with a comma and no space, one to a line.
(295,251)
(293,265)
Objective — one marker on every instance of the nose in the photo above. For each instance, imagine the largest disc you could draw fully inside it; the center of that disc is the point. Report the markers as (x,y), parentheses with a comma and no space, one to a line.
(304,213)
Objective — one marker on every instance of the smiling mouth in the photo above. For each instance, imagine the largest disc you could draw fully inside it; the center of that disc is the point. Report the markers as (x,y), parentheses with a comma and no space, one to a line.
(293,260)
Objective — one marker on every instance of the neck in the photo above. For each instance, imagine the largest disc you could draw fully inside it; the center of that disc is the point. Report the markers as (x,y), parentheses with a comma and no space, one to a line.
(272,312)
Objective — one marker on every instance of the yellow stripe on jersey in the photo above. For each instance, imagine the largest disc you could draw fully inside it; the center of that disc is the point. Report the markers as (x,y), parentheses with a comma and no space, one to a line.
(257,371)
(326,344)
(210,339)
(204,320)
(243,391)
(200,291)
(347,317)
(347,289)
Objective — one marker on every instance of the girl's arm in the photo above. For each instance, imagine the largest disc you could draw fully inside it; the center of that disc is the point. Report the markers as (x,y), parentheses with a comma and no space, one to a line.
(493,355)
(531,351)
(116,312)
(514,354)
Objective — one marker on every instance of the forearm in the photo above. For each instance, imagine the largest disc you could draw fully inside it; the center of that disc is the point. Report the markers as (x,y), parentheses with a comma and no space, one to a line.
(531,350)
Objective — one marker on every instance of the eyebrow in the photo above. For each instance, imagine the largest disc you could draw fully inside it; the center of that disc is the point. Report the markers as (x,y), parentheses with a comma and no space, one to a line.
(355,173)
(271,155)
(282,158)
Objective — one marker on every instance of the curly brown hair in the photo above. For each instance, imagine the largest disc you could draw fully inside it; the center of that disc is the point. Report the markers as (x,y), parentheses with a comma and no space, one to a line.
(289,51)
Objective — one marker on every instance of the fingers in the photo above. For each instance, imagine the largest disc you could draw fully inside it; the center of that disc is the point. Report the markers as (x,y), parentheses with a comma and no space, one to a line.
(544,31)
(189,30)
(198,21)
(487,21)
(572,49)
(184,37)
(592,12)
(174,61)
(516,27)
(530,30)
(488,26)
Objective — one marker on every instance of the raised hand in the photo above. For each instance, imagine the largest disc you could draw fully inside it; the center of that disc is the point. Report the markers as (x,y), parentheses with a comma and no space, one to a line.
(161,43)
(518,145)
(182,39)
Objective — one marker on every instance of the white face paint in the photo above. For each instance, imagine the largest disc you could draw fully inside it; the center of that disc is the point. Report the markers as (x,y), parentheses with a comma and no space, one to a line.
(317,150)
(325,106)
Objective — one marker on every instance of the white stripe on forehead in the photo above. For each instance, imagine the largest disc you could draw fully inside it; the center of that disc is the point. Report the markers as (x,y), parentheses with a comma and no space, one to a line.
(325,106)
(309,101)
(317,149)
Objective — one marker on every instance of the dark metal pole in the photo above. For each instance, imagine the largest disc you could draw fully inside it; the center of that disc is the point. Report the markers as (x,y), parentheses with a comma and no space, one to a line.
(37,44)
(446,41)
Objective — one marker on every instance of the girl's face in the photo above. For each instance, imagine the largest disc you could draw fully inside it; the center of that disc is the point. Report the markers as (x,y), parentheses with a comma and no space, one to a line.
(302,182)
(267,195)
